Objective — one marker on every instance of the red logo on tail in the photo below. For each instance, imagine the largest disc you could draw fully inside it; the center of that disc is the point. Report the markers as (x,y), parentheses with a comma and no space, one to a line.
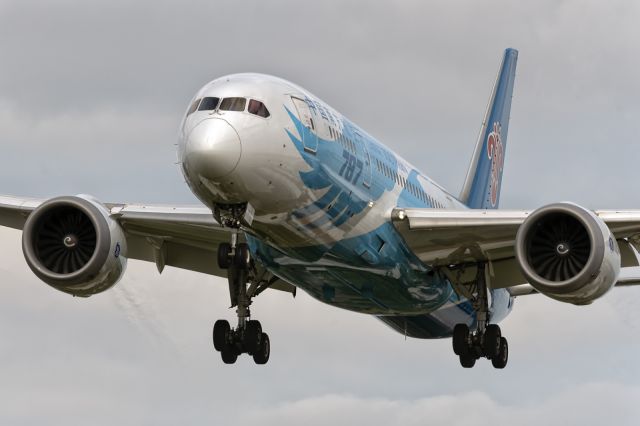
(495,152)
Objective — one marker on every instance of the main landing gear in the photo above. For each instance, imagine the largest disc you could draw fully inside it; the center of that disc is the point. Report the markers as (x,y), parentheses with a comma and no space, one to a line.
(488,344)
(248,336)
(486,341)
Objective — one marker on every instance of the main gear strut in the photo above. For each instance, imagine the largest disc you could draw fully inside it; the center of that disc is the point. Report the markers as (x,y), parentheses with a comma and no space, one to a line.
(247,336)
(486,340)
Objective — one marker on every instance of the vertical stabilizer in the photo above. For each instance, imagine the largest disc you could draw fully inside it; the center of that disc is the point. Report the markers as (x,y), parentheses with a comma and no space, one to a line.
(481,188)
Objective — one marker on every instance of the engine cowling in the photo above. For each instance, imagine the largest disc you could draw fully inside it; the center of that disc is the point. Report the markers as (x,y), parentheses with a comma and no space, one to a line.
(568,253)
(73,245)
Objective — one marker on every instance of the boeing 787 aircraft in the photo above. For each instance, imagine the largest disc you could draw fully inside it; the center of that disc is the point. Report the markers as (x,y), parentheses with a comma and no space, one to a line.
(297,196)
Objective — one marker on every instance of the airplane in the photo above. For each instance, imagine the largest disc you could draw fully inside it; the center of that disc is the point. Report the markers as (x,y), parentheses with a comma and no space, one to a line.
(296,196)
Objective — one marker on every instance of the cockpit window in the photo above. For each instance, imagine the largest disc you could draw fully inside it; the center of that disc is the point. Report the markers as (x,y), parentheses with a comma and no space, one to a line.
(233,104)
(194,106)
(208,104)
(258,108)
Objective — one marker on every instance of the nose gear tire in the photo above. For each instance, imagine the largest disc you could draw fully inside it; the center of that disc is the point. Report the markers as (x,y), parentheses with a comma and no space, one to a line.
(224,255)
(242,256)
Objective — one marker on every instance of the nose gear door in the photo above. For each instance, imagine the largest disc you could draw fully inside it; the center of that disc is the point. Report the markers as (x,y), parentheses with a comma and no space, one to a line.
(309,137)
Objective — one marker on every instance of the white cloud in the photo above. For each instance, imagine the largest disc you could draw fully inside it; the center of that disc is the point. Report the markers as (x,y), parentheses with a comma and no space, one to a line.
(590,404)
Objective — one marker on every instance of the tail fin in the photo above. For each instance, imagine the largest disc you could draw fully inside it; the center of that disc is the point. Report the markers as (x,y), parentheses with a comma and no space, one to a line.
(481,188)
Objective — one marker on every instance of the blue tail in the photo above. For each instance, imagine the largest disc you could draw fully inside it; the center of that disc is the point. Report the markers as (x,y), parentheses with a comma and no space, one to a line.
(481,188)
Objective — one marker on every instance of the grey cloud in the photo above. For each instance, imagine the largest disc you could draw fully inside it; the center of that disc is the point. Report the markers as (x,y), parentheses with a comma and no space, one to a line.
(414,74)
(59,353)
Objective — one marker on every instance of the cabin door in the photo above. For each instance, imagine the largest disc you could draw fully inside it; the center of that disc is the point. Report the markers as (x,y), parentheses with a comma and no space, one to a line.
(309,137)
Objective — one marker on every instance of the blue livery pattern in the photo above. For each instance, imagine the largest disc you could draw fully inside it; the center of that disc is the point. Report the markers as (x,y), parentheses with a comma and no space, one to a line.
(374,272)
(492,142)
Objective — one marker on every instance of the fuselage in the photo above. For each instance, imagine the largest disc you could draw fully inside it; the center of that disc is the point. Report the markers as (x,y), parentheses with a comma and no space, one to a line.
(320,192)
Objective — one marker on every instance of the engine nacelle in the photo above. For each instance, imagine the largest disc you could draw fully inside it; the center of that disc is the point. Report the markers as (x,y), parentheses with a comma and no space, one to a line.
(73,245)
(568,253)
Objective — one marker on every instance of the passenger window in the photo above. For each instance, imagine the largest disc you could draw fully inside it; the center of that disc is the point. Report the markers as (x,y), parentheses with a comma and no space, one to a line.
(233,104)
(194,106)
(208,104)
(258,108)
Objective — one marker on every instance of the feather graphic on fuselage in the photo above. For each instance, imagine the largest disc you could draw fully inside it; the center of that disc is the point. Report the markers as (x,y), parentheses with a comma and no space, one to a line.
(343,198)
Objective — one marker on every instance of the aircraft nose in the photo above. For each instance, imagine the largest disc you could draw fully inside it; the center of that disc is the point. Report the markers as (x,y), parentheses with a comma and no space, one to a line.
(212,149)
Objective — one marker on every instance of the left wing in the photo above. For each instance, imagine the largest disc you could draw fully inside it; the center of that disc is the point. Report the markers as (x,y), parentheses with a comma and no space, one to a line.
(185,237)
(444,238)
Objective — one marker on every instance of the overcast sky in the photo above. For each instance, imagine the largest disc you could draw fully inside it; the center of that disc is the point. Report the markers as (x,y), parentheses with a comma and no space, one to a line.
(91,94)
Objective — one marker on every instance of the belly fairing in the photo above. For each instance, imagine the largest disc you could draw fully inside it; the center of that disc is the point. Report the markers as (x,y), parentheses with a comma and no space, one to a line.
(374,273)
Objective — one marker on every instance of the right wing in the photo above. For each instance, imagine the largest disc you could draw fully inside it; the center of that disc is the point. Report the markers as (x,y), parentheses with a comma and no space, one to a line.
(185,237)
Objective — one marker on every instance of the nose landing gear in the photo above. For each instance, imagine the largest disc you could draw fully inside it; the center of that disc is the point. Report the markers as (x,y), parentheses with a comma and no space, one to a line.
(248,336)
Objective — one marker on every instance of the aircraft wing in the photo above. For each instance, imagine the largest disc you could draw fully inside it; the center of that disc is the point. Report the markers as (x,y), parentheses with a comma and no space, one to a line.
(457,237)
(185,237)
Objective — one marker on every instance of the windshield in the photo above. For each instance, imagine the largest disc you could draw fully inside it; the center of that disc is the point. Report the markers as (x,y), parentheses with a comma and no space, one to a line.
(233,104)
(208,104)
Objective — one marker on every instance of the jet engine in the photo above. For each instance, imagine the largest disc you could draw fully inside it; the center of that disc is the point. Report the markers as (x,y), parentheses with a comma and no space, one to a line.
(568,253)
(72,244)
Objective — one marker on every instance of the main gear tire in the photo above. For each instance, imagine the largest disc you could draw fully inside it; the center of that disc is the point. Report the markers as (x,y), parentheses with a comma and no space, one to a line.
(261,356)
(221,330)
(461,339)
(229,355)
(492,339)
(468,360)
(501,359)
(252,336)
